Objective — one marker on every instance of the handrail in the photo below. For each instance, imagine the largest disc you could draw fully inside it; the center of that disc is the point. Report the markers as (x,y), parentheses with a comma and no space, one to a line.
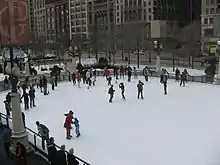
(3,116)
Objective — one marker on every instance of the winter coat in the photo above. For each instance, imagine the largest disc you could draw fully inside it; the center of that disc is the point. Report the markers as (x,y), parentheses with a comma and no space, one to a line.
(122,87)
(76,123)
(42,130)
(68,122)
(21,152)
(72,160)
(111,91)
(25,96)
(163,79)
(140,86)
(78,78)
(32,93)
(51,148)
(6,135)
(146,72)
(60,158)
(52,80)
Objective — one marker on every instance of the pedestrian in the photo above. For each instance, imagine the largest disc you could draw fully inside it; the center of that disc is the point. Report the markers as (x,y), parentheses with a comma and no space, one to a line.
(122,87)
(21,154)
(111,92)
(23,119)
(71,159)
(129,70)
(45,85)
(6,138)
(26,100)
(43,132)
(32,96)
(20,92)
(52,82)
(146,73)
(140,87)
(68,124)
(163,80)
(51,148)
(7,108)
(60,157)
(78,78)
(6,83)
(76,123)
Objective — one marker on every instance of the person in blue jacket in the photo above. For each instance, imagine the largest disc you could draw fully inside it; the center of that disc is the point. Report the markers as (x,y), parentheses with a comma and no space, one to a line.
(76,123)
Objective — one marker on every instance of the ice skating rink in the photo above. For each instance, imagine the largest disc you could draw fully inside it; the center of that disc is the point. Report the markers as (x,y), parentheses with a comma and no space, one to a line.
(181,128)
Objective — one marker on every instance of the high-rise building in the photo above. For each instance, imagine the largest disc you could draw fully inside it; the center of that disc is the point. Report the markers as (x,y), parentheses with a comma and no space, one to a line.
(57,19)
(78,18)
(39,18)
(210,11)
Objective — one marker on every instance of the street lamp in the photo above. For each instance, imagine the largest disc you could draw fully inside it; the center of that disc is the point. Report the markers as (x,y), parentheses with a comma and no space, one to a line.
(218,53)
(19,133)
(158,47)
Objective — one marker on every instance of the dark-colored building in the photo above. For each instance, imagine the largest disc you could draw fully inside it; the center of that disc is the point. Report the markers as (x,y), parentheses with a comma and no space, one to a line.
(183,11)
(57,19)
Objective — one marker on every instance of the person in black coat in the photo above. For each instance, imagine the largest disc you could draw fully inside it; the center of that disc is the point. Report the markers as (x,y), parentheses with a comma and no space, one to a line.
(122,87)
(41,84)
(8,97)
(51,148)
(74,78)
(32,96)
(71,159)
(26,100)
(177,74)
(60,157)
(45,85)
(111,92)
(163,80)
(140,89)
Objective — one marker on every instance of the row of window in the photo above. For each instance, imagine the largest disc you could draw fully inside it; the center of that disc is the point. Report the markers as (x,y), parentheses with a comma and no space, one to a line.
(78,16)
(79,29)
(212,10)
(207,21)
(212,2)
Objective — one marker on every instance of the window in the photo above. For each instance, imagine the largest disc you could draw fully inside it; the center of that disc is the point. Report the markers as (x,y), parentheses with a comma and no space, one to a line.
(117,20)
(207,2)
(212,2)
(149,10)
(211,20)
(212,11)
(205,20)
(149,18)
(149,3)
(207,10)
(117,14)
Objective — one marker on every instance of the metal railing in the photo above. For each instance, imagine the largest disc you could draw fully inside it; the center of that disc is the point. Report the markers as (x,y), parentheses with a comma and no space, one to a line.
(35,140)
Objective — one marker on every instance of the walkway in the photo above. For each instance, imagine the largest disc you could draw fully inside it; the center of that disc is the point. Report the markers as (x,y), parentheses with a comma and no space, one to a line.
(32,159)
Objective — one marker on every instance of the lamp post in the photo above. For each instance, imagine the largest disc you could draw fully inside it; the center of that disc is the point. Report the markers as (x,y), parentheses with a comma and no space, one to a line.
(158,47)
(218,51)
(19,133)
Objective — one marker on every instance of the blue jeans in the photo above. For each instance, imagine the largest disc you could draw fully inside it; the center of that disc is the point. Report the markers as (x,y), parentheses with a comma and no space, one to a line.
(77,130)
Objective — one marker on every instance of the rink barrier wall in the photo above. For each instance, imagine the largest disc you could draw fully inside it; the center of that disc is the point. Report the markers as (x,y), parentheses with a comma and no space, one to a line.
(35,140)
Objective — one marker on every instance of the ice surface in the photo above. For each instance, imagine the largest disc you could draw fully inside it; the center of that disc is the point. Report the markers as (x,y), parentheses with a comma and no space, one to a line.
(181,128)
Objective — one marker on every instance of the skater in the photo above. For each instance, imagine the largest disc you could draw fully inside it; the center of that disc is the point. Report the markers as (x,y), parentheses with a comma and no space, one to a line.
(177,74)
(26,100)
(45,85)
(109,79)
(74,78)
(78,78)
(135,73)
(116,75)
(163,80)
(52,82)
(122,72)
(43,131)
(93,80)
(183,79)
(111,92)
(68,124)
(32,96)
(140,87)
(146,73)
(129,70)
(41,84)
(122,87)
(76,123)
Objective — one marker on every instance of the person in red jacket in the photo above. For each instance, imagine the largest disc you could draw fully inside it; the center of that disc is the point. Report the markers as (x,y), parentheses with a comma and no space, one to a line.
(68,124)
